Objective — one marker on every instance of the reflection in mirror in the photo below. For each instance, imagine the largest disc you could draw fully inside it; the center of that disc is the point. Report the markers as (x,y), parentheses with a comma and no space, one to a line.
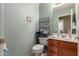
(65,24)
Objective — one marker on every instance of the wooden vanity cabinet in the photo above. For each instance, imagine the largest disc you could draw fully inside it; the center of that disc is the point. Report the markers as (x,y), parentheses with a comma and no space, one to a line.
(52,47)
(61,48)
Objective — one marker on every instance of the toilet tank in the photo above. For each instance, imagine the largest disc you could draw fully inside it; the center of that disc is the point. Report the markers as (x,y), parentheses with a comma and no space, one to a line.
(43,40)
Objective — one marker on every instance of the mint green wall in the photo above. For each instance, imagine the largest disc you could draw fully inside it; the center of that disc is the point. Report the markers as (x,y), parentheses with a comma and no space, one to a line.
(20,34)
(0,21)
(56,14)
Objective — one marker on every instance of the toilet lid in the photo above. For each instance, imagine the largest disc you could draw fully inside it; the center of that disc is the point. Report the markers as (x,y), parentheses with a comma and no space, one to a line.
(38,47)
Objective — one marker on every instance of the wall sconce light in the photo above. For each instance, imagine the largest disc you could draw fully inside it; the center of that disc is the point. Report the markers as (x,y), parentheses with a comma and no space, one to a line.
(28,18)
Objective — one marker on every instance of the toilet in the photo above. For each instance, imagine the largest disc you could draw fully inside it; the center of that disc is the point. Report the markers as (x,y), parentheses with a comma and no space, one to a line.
(39,48)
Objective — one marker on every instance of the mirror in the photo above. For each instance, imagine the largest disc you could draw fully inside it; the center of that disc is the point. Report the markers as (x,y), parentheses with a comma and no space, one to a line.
(64,18)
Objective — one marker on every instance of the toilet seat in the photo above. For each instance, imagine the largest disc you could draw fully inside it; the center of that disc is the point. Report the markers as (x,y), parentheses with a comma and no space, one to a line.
(37,48)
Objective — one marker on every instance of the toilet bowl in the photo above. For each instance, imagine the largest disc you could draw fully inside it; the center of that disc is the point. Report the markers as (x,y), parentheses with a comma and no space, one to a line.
(39,48)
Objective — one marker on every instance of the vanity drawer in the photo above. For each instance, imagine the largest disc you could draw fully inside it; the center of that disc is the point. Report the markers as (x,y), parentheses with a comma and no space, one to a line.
(53,49)
(68,45)
(52,42)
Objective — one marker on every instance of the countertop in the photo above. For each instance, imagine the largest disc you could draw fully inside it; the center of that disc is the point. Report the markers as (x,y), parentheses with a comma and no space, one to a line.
(65,39)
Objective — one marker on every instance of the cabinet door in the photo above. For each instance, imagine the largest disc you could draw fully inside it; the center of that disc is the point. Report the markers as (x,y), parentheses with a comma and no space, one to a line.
(68,45)
(67,48)
(65,52)
(52,47)
(52,51)
(52,42)
(69,53)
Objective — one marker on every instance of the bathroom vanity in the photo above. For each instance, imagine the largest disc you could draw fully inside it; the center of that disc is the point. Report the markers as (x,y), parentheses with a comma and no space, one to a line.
(62,47)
